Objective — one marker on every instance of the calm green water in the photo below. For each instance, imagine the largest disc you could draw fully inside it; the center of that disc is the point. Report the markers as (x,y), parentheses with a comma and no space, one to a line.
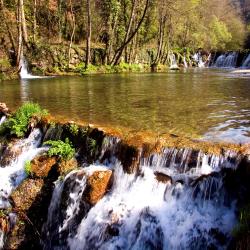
(204,103)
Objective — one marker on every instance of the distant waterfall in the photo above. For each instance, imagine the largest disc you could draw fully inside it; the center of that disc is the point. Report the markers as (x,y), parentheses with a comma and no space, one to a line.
(198,59)
(24,74)
(173,65)
(226,60)
(185,62)
(246,62)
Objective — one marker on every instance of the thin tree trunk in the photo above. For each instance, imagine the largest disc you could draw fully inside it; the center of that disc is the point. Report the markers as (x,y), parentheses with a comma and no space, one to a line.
(20,36)
(73,32)
(23,22)
(88,44)
(120,50)
(11,37)
(34,21)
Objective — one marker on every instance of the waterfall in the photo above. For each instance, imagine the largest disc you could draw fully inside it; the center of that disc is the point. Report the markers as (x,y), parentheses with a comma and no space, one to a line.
(13,174)
(227,60)
(177,200)
(24,74)
(198,59)
(246,62)
(173,62)
(185,62)
(2,119)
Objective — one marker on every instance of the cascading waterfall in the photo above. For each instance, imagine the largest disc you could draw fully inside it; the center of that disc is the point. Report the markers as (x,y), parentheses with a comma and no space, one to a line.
(173,62)
(188,210)
(185,62)
(226,60)
(24,74)
(198,59)
(246,63)
(2,119)
(13,174)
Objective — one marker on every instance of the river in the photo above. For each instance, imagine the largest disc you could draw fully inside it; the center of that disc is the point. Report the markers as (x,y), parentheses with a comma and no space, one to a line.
(209,104)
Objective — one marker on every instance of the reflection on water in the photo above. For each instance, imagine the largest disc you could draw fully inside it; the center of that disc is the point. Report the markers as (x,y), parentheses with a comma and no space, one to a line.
(201,103)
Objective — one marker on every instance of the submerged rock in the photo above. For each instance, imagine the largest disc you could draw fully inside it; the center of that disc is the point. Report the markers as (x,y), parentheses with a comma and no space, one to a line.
(163,177)
(97,185)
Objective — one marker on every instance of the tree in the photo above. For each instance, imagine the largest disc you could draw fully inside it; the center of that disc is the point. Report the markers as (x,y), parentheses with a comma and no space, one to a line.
(89,30)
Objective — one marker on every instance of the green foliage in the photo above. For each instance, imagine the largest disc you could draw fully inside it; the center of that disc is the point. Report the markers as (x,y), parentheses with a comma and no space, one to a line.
(92,145)
(62,149)
(27,168)
(18,123)
(220,34)
(74,129)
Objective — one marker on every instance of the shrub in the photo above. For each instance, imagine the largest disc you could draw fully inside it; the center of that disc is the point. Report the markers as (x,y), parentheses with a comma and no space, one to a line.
(62,149)
(92,145)
(27,168)
(73,128)
(18,123)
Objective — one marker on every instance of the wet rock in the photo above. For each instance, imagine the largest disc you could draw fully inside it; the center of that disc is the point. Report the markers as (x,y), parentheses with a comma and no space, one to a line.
(4,224)
(112,230)
(41,165)
(24,196)
(30,203)
(54,132)
(97,186)
(129,157)
(3,109)
(66,166)
(163,178)
(10,154)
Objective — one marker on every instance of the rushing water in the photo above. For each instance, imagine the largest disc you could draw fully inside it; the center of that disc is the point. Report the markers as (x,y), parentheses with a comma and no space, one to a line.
(213,104)
(141,213)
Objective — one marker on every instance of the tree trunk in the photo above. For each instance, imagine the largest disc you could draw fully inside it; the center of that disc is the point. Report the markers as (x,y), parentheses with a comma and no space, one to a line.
(72,33)
(20,36)
(88,44)
(2,9)
(23,22)
(119,51)
(34,21)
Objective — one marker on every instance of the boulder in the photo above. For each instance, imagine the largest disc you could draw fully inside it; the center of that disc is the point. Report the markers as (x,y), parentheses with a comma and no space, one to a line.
(4,224)
(24,196)
(97,185)
(41,165)
(3,109)
(163,177)
(67,166)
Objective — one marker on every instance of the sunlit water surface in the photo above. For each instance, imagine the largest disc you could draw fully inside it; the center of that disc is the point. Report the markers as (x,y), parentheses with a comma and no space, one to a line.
(208,104)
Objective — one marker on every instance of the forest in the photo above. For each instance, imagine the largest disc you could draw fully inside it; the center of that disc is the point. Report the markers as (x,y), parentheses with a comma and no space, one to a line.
(113,31)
